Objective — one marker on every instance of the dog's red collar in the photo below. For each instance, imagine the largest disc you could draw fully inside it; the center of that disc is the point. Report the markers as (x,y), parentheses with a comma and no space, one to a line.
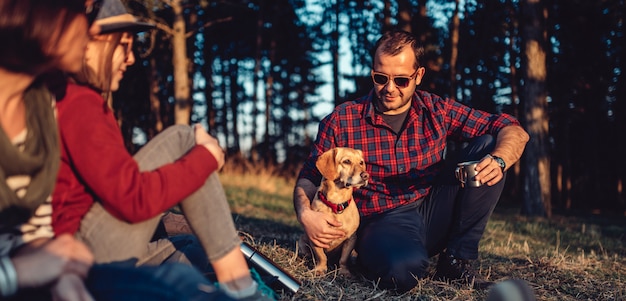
(337,208)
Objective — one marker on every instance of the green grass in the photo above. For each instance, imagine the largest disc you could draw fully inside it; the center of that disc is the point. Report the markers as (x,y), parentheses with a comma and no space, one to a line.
(562,258)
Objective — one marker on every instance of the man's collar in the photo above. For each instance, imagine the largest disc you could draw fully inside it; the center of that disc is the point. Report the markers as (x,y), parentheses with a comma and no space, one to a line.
(417,105)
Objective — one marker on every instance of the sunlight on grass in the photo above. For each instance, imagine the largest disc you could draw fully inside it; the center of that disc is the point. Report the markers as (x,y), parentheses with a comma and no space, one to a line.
(263,179)
(562,258)
(260,194)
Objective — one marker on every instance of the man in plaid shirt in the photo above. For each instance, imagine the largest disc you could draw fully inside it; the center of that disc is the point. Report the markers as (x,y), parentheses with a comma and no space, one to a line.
(413,207)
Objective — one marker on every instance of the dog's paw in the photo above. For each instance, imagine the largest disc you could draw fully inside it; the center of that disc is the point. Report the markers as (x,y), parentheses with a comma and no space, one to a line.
(320,270)
(345,272)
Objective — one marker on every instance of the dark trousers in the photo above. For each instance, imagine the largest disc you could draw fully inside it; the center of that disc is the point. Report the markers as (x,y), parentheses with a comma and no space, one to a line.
(123,281)
(394,248)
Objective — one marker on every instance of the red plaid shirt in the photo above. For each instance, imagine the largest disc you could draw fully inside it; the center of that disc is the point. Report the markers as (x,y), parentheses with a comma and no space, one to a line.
(402,168)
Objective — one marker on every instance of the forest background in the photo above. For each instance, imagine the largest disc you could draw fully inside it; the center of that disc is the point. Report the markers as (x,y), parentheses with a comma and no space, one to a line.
(261,74)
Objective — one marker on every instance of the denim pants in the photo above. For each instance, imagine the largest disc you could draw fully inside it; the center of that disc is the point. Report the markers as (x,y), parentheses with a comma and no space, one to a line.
(122,281)
(394,248)
(206,210)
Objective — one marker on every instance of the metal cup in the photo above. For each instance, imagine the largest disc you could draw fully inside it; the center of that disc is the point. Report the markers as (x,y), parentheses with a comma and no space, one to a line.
(465,173)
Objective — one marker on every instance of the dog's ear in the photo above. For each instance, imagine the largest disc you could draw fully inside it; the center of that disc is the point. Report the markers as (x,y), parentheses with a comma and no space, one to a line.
(326,164)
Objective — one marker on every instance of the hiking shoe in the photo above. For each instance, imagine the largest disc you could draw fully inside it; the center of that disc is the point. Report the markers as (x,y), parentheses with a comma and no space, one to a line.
(263,292)
(259,291)
(452,269)
(259,295)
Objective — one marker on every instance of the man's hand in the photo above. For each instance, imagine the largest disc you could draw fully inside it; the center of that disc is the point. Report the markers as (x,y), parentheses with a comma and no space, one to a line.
(45,264)
(211,144)
(489,172)
(320,228)
(510,145)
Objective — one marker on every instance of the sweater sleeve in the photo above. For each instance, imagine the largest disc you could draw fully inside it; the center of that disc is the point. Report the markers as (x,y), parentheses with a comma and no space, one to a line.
(98,156)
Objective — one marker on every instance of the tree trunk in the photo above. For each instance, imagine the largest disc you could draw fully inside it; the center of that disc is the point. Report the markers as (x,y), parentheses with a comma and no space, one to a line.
(517,183)
(454,48)
(182,109)
(537,162)
(254,152)
(208,94)
(387,15)
(155,103)
(223,127)
(234,148)
(269,96)
(404,15)
(421,23)
(334,48)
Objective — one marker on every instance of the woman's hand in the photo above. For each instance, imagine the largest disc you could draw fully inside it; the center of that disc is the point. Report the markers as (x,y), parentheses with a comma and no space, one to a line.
(70,287)
(208,141)
(44,264)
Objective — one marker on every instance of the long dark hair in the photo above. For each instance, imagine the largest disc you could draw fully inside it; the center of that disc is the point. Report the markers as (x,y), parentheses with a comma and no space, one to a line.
(29,28)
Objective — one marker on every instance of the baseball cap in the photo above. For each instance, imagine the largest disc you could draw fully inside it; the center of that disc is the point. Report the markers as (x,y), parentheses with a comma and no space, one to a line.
(113,17)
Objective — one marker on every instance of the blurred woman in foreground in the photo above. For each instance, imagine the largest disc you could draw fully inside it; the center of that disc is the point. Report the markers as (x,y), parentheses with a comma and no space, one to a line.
(37,36)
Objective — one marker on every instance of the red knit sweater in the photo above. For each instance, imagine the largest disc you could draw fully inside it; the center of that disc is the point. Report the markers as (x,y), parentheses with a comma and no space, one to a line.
(95,166)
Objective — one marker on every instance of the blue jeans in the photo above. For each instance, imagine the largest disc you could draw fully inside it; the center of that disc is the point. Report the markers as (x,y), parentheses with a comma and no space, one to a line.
(122,281)
(394,248)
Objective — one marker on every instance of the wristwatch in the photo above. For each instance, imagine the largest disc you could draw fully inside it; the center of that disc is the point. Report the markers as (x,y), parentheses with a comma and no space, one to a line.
(500,162)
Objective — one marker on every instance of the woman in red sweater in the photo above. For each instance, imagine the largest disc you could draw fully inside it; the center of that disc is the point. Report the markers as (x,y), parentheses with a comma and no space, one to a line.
(113,201)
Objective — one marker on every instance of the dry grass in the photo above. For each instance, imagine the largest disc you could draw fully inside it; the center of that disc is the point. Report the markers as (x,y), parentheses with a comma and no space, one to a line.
(564,258)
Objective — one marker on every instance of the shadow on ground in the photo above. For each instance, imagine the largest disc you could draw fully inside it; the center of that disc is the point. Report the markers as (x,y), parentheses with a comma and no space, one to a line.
(267,231)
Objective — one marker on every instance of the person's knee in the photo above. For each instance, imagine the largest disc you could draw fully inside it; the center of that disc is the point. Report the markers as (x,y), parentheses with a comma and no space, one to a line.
(486,141)
(181,131)
(178,128)
(403,273)
(477,148)
(413,270)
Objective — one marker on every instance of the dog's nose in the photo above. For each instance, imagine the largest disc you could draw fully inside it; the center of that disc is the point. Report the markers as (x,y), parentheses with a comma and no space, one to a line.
(365,176)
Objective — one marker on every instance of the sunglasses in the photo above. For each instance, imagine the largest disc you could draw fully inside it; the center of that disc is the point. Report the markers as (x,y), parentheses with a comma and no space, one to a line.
(400,81)
(126,42)
(92,11)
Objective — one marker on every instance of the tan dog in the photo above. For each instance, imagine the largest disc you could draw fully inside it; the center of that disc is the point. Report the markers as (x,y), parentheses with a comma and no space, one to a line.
(343,170)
